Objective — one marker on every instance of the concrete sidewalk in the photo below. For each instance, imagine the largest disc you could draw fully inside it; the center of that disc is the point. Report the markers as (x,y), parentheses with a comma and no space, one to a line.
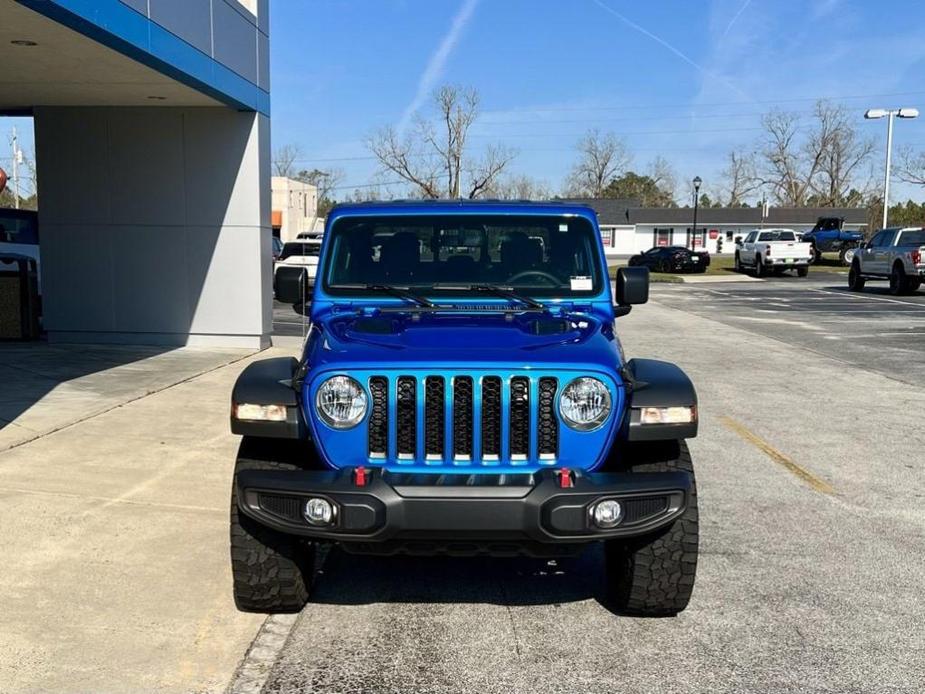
(115,525)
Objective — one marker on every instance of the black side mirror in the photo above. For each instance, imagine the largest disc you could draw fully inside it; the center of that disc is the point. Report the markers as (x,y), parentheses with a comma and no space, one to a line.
(632,288)
(291,285)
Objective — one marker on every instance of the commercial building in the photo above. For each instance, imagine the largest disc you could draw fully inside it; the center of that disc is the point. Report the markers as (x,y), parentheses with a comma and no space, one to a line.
(295,208)
(153,154)
(628,229)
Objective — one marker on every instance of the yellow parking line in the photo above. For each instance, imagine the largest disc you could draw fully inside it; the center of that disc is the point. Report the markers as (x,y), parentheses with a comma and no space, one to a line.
(816,483)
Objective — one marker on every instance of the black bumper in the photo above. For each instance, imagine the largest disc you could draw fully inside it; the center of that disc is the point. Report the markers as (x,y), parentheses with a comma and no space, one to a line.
(530,508)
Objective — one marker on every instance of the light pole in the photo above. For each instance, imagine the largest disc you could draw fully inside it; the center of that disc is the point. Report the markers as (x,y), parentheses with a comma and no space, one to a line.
(697,181)
(877,113)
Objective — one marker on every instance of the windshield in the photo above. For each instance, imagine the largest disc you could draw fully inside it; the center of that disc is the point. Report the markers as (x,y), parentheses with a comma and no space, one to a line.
(537,255)
(298,248)
(776,236)
(914,237)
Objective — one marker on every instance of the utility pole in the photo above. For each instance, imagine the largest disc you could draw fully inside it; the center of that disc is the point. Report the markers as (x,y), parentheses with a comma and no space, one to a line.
(17,158)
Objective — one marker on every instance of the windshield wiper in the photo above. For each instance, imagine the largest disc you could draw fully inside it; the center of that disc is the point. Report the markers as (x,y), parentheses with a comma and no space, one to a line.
(497,290)
(401,292)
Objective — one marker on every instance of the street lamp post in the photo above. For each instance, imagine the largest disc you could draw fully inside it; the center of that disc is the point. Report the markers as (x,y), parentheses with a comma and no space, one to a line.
(697,181)
(875,114)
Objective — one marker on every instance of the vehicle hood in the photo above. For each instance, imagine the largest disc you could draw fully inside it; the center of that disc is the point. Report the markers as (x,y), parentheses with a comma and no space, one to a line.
(433,339)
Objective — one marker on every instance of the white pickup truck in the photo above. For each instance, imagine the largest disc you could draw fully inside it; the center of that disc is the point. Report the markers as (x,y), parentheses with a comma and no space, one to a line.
(773,250)
(894,254)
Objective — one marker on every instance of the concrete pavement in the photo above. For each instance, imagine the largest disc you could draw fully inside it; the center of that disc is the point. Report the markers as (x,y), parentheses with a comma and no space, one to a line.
(115,531)
(801,587)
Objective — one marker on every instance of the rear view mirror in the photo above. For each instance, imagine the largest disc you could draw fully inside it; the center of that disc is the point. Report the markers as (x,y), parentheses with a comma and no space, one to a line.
(291,285)
(632,285)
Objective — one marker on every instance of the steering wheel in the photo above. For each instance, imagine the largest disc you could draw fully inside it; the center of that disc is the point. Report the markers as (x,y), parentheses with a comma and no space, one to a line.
(549,277)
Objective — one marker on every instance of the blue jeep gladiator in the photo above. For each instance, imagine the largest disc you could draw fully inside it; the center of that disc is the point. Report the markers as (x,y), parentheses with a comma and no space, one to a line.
(462,390)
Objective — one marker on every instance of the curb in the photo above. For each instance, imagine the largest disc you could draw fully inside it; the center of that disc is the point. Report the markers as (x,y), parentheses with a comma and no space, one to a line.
(252,674)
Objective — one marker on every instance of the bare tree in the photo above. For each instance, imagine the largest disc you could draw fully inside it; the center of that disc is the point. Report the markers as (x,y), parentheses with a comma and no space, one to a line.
(664,177)
(284,160)
(910,166)
(739,178)
(325,181)
(824,168)
(519,187)
(433,157)
(601,158)
(842,155)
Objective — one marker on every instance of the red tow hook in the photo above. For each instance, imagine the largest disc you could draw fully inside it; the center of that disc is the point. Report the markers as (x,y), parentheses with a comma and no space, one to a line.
(359,476)
(565,478)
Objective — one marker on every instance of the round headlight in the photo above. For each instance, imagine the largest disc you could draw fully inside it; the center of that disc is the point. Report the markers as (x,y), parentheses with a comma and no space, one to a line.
(585,404)
(341,402)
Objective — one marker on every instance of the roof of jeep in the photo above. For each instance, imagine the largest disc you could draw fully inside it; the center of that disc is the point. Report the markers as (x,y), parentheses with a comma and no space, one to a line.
(375,207)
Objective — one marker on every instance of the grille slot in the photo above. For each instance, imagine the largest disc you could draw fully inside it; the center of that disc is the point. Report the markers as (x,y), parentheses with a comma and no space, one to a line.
(548,425)
(635,510)
(491,418)
(520,418)
(379,417)
(434,404)
(462,417)
(406,416)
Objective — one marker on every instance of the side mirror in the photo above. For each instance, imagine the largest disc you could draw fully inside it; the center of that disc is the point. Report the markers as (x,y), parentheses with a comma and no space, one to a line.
(632,288)
(291,285)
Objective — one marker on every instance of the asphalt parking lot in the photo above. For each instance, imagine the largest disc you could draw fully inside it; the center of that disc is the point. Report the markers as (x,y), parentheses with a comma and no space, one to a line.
(811,489)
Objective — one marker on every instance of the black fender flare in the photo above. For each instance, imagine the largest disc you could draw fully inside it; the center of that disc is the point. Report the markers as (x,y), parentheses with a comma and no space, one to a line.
(269,382)
(653,383)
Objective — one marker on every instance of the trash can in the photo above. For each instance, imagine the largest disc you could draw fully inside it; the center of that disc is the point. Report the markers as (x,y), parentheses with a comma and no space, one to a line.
(19,297)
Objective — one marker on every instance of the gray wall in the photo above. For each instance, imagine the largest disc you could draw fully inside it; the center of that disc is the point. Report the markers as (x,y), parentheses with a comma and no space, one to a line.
(223,29)
(155,225)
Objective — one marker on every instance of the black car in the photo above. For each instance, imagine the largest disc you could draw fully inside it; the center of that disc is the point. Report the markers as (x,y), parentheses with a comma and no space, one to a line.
(672,259)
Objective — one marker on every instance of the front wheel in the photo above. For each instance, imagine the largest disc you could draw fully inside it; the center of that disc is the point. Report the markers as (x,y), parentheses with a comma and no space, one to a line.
(272,571)
(653,576)
(846,256)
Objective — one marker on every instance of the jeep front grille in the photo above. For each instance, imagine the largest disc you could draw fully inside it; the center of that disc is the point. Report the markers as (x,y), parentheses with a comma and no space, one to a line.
(462,420)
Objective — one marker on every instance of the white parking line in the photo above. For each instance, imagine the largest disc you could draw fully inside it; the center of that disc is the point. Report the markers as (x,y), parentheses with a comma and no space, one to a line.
(869,297)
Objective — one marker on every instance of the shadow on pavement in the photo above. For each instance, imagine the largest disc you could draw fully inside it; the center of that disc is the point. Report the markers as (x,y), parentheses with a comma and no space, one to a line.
(348,579)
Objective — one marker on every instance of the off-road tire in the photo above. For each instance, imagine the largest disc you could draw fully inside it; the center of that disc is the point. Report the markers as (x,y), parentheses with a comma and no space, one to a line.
(271,571)
(843,256)
(653,575)
(802,271)
(855,280)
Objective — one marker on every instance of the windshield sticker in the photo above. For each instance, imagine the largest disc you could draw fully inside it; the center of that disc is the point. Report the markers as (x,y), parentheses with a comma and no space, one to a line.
(581,284)
(563,227)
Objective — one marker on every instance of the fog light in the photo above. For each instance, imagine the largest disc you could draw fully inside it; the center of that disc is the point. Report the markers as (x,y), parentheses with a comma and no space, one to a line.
(607,513)
(319,512)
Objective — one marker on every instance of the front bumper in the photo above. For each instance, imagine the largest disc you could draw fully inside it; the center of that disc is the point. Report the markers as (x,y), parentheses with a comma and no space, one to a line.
(528,508)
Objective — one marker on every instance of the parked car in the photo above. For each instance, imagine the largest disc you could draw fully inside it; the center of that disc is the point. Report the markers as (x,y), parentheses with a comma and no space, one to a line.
(299,254)
(672,259)
(493,413)
(894,254)
(828,236)
(277,248)
(772,250)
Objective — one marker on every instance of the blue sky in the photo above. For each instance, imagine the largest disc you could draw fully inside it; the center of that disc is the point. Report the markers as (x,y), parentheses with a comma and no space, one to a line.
(686,80)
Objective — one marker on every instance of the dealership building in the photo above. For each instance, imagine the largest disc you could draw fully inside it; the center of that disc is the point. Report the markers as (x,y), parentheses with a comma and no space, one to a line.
(628,229)
(152,139)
